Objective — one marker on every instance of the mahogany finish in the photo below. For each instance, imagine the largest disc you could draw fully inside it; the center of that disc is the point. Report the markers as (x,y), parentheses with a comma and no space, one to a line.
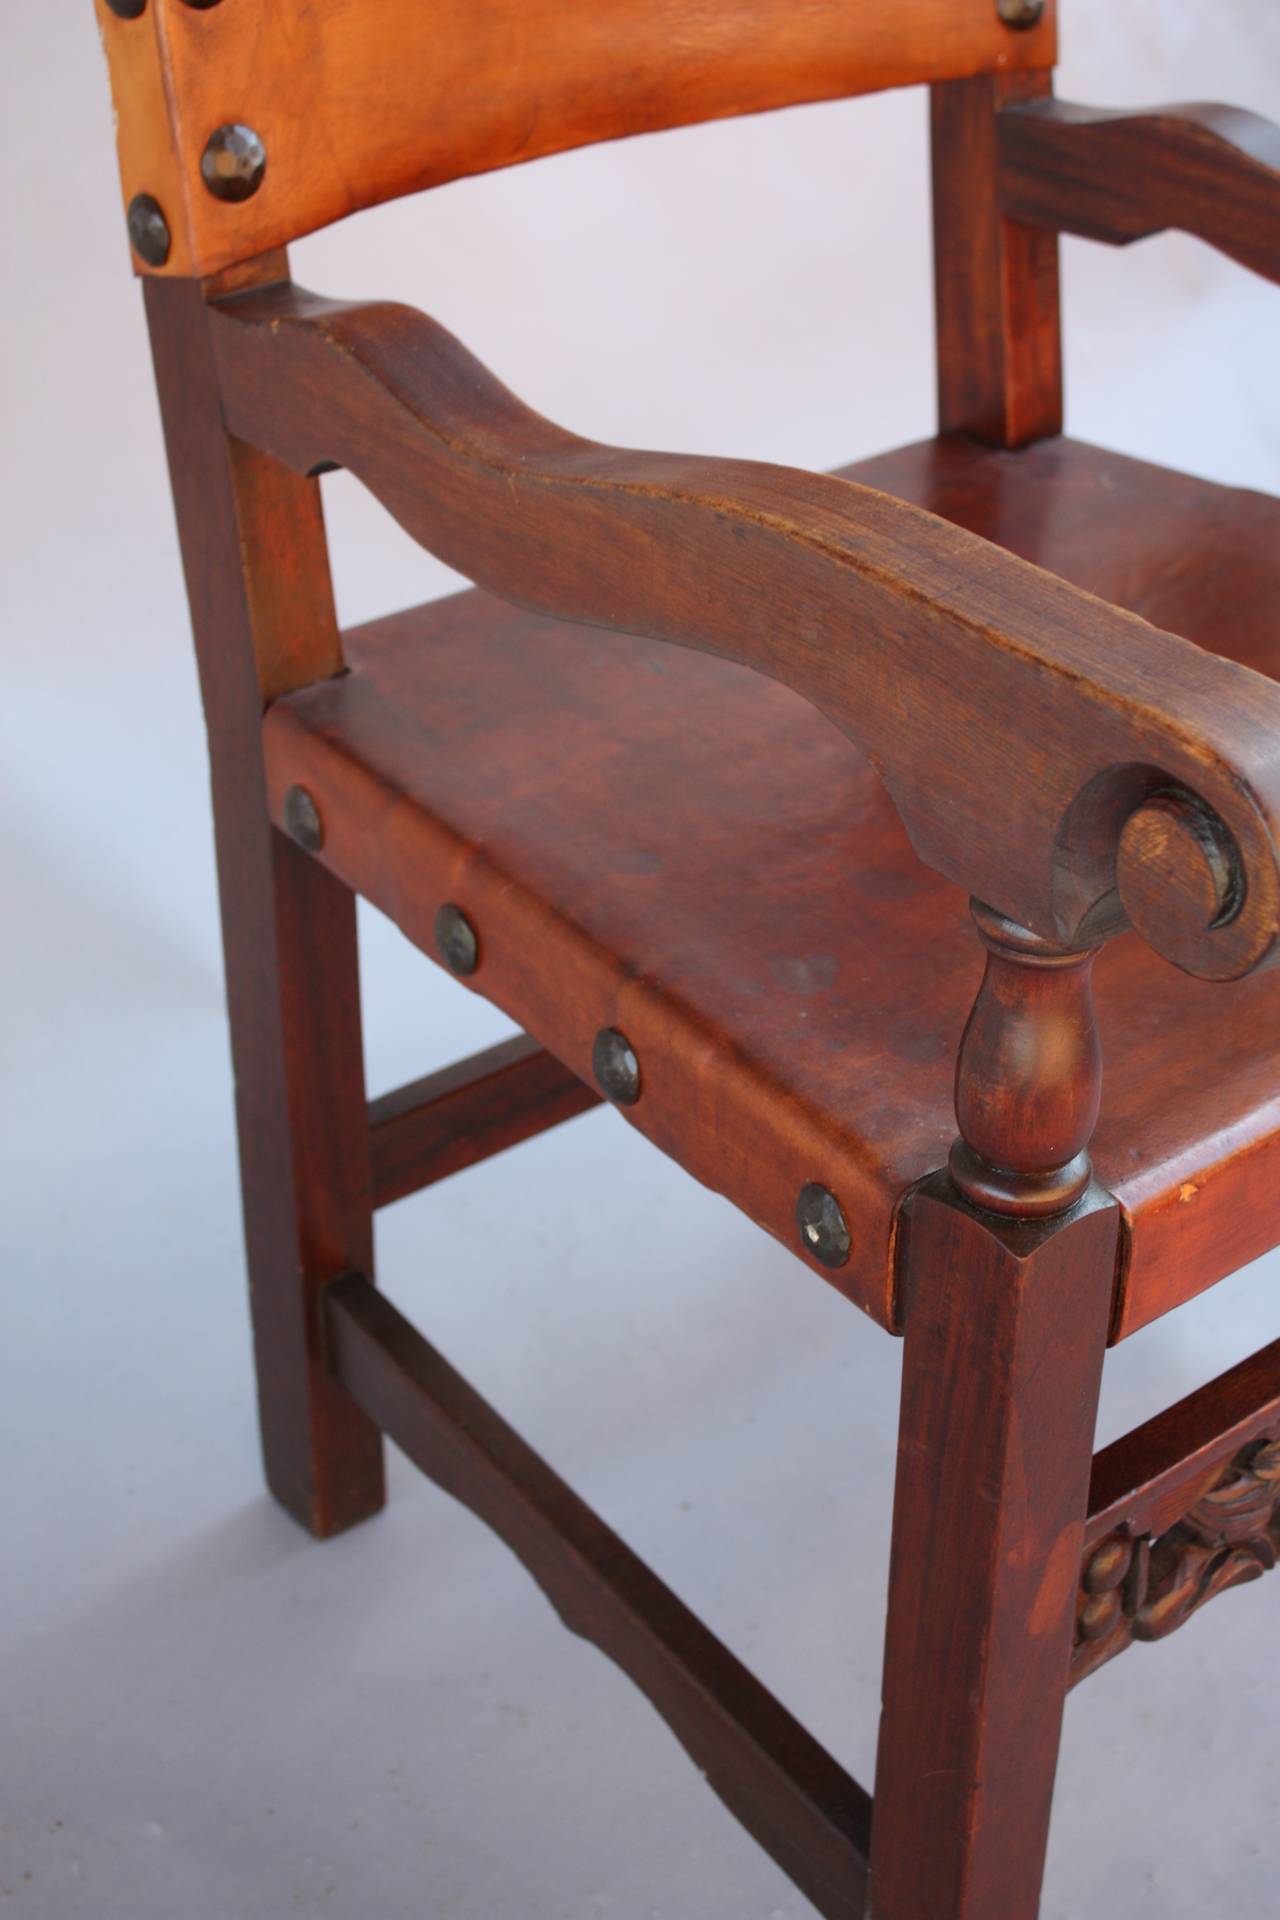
(1119,176)
(801,1806)
(449,1120)
(739,828)
(358,101)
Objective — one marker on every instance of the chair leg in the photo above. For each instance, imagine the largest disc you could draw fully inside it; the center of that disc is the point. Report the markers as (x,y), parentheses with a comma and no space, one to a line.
(262,614)
(305,1171)
(1006,1326)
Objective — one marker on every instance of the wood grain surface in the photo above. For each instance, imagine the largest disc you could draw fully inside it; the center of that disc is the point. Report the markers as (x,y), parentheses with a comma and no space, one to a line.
(256,565)
(996,288)
(1005,1331)
(1121,175)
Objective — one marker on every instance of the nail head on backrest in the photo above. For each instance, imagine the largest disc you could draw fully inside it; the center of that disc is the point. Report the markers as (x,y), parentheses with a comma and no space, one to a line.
(1020,13)
(148,230)
(233,162)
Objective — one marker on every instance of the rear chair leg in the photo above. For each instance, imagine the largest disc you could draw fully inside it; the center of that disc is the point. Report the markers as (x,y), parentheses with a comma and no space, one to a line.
(256,563)
(307,1186)
(1008,1269)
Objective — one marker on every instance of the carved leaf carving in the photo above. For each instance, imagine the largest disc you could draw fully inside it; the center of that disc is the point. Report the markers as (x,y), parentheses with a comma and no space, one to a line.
(1230,1535)
(1140,1588)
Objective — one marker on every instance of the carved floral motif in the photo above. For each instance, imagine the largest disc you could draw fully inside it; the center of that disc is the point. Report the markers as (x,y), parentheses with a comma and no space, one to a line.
(1142,1588)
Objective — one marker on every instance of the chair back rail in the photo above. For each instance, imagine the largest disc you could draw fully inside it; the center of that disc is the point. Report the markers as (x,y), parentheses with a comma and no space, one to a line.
(358,101)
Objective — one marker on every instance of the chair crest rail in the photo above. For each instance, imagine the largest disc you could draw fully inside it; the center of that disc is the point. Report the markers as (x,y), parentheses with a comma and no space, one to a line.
(1119,176)
(1062,760)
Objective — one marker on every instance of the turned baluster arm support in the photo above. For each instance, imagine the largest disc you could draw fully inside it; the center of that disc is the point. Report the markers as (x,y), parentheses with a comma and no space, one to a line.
(1028,1077)
(1070,765)
(1029,1071)
(1118,176)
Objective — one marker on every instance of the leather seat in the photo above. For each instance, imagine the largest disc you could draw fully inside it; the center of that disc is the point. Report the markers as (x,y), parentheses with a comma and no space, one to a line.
(715,864)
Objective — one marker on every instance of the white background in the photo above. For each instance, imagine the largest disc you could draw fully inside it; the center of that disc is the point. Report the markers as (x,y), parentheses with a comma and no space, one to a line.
(204,1713)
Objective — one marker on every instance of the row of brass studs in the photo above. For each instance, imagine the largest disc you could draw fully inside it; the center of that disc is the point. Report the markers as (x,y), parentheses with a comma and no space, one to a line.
(824,1232)
(232,165)
(613,1058)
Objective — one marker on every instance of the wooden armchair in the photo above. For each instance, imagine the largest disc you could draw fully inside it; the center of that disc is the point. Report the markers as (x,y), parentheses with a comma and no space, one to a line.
(999,666)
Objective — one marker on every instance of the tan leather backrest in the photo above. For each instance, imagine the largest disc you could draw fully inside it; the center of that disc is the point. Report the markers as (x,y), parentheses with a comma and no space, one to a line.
(344,103)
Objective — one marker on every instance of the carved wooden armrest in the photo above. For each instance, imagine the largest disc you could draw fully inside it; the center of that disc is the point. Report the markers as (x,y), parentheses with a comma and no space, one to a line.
(1060,759)
(1118,176)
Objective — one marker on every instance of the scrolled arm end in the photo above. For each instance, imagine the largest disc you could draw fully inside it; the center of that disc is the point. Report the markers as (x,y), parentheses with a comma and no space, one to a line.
(1181,879)
(1188,855)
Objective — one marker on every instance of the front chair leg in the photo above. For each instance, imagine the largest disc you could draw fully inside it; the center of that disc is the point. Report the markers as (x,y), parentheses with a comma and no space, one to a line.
(1005,1333)
(1008,1265)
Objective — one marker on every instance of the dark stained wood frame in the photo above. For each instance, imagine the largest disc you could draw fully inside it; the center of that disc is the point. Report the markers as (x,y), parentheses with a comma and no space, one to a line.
(799,1804)
(1121,176)
(449,1120)
(995,282)
(1137,781)
(256,565)
(1005,1334)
